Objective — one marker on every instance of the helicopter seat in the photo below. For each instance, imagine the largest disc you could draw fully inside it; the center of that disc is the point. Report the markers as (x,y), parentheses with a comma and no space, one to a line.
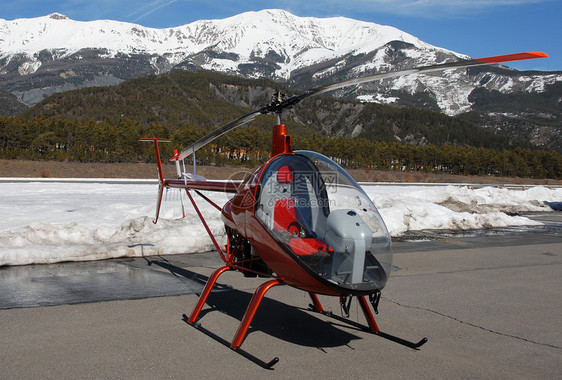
(286,220)
(285,215)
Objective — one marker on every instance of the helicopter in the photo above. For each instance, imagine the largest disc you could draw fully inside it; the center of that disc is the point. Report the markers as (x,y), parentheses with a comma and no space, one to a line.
(299,219)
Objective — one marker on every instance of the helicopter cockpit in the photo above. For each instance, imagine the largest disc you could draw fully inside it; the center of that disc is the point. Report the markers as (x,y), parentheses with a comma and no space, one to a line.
(322,217)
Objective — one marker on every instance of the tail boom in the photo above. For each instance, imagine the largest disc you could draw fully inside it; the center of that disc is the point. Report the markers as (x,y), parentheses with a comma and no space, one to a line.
(188,184)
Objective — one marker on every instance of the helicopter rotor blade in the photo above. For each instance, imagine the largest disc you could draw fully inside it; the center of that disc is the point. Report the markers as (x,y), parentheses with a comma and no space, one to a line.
(279,106)
(219,132)
(423,69)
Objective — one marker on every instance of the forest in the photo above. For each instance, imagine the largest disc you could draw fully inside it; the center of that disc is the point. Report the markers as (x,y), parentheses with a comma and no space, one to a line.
(117,141)
(104,124)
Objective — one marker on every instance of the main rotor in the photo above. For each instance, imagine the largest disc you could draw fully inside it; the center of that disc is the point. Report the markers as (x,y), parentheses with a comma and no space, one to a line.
(281,101)
(277,105)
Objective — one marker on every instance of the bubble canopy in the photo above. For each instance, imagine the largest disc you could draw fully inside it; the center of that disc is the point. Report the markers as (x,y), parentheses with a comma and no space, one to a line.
(323,218)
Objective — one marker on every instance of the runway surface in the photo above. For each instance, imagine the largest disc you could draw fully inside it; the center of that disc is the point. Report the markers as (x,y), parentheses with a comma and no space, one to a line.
(489,305)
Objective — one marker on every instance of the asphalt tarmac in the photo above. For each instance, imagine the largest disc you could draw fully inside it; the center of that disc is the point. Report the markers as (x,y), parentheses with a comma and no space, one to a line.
(489,303)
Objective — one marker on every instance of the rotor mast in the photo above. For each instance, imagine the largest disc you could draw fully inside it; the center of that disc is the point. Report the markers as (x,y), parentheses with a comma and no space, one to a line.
(281,141)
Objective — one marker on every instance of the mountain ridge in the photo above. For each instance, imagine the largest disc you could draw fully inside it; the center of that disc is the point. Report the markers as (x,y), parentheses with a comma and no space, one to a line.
(57,31)
(50,54)
(270,43)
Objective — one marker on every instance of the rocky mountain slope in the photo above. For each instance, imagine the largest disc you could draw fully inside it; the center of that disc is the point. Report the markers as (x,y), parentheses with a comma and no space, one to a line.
(53,53)
(207,100)
(46,55)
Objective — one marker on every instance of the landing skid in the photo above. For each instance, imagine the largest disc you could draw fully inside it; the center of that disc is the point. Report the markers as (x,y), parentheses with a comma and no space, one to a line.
(401,341)
(244,324)
(254,304)
(373,328)
(224,342)
(393,338)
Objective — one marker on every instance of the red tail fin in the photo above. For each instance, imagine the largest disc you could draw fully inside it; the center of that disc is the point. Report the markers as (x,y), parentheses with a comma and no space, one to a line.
(161,180)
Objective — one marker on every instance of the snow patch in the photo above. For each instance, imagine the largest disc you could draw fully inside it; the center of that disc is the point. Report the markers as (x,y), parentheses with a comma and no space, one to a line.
(29,67)
(378,98)
(49,221)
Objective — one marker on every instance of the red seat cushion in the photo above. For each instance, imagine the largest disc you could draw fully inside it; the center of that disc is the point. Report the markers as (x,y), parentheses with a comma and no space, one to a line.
(307,246)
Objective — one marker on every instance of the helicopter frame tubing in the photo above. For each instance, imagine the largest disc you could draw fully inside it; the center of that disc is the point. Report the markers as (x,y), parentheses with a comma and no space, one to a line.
(244,323)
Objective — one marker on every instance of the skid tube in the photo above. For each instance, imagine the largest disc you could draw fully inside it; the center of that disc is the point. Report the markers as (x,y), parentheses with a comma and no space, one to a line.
(373,328)
(224,342)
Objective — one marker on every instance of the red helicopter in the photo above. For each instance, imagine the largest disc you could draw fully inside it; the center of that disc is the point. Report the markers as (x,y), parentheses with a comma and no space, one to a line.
(300,219)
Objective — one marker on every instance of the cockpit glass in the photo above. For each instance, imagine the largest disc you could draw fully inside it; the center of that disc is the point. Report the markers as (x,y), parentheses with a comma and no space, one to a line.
(311,206)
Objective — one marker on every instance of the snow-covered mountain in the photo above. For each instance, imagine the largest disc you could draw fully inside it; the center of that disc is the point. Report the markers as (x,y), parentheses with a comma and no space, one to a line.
(49,54)
(272,35)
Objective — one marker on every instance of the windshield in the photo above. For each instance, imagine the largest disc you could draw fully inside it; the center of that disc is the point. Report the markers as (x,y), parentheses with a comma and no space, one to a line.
(314,209)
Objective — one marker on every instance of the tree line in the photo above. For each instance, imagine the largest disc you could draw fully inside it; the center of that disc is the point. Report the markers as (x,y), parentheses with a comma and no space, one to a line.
(117,141)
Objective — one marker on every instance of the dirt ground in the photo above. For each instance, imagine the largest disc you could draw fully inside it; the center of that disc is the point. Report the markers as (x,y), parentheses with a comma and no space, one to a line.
(55,169)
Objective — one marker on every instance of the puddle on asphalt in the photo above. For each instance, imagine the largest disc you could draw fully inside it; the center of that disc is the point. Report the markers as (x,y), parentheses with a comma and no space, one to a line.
(71,283)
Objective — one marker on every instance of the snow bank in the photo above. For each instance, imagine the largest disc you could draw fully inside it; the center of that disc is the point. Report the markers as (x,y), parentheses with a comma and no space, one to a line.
(413,208)
(47,222)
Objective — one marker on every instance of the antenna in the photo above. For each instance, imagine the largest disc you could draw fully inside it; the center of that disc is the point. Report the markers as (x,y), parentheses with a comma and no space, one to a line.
(194,162)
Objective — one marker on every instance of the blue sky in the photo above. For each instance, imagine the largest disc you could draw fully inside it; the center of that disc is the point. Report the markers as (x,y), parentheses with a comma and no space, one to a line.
(478,28)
